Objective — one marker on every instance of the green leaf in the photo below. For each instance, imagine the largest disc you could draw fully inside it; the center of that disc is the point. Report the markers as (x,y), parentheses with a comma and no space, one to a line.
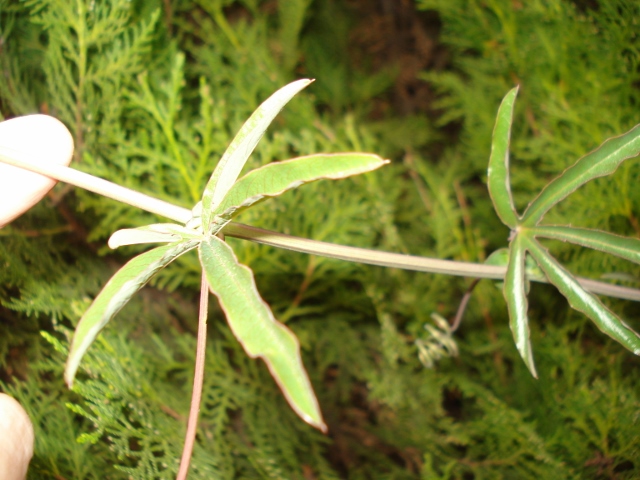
(498,173)
(602,161)
(500,258)
(255,327)
(581,300)
(236,155)
(116,293)
(276,178)
(624,247)
(516,297)
(154,233)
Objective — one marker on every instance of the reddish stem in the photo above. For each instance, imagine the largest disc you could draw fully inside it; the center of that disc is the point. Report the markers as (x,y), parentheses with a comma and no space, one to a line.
(198,378)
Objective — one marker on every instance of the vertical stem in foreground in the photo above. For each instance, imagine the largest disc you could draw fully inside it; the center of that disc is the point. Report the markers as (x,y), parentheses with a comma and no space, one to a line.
(198,378)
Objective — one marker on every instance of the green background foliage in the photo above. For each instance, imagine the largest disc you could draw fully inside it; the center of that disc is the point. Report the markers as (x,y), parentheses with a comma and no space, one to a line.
(154,92)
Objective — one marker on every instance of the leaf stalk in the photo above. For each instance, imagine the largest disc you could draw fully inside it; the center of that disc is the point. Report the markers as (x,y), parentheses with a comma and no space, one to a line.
(280,240)
(198,381)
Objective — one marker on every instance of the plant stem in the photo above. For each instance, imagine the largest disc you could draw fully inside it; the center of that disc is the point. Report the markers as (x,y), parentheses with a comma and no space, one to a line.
(198,378)
(405,262)
(95,185)
(280,240)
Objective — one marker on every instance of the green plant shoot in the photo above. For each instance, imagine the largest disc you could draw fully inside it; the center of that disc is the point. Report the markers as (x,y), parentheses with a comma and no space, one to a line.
(525,230)
(249,317)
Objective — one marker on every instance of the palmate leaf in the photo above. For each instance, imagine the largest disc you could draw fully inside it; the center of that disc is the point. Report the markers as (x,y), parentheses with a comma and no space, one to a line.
(623,247)
(498,173)
(117,292)
(245,141)
(580,299)
(255,327)
(516,297)
(248,315)
(602,161)
(277,178)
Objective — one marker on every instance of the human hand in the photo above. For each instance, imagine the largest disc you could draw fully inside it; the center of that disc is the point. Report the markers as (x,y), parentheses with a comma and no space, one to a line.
(38,138)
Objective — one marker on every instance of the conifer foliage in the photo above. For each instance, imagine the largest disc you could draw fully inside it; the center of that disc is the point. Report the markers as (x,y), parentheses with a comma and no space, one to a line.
(154,94)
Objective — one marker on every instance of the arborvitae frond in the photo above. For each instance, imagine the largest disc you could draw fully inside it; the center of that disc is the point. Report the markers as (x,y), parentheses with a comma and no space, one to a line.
(153,98)
(90,49)
(567,107)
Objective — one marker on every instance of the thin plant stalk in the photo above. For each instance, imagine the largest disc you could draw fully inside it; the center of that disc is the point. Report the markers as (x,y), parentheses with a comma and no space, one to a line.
(280,240)
(457,320)
(95,184)
(198,379)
